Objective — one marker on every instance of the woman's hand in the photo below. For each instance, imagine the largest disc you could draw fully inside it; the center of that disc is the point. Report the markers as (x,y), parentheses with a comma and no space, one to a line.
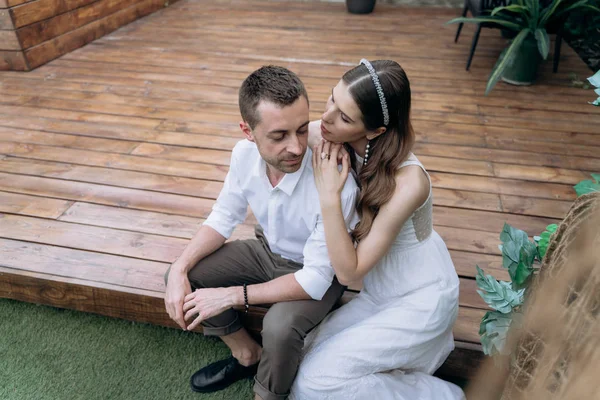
(328,178)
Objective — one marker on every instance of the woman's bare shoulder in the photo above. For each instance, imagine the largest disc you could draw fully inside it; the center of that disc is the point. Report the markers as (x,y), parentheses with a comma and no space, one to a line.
(412,183)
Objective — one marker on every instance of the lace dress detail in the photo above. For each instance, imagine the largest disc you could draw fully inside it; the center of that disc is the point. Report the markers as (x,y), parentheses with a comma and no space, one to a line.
(397,331)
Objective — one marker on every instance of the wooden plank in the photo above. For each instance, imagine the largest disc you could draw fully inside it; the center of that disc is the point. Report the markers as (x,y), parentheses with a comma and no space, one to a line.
(84,295)
(182,153)
(107,195)
(113,177)
(90,266)
(42,207)
(59,24)
(469,240)
(84,237)
(13,61)
(14,3)
(539,207)
(9,40)
(508,156)
(67,141)
(146,221)
(465,263)
(489,221)
(6,22)
(32,111)
(38,10)
(91,137)
(70,41)
(502,186)
(118,161)
(501,203)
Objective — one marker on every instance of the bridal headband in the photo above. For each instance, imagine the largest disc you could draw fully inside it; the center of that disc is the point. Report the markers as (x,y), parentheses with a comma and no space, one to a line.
(384,109)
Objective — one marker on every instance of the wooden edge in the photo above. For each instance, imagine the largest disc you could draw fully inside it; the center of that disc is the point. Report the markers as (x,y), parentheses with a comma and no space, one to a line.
(13,61)
(51,49)
(9,40)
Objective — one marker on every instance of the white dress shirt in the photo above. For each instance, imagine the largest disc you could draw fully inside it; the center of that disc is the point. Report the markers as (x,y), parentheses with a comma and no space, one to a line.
(289,213)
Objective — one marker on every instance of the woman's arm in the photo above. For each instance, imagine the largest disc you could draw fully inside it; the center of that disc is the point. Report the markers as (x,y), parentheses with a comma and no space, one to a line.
(350,264)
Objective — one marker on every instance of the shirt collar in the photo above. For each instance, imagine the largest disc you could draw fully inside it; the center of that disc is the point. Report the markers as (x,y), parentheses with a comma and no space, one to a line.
(289,181)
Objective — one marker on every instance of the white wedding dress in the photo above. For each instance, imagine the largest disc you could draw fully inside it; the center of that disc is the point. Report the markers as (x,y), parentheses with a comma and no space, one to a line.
(387,341)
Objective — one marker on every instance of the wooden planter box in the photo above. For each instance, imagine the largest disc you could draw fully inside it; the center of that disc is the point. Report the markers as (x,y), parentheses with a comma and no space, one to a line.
(33,32)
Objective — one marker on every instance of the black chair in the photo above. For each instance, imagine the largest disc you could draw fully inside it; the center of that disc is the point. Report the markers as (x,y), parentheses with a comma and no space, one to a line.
(479,8)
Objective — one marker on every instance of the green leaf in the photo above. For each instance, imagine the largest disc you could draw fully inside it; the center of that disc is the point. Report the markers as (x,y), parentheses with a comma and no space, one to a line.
(510,255)
(512,8)
(543,42)
(508,58)
(511,234)
(549,11)
(588,186)
(478,20)
(521,274)
(545,239)
(498,295)
(493,331)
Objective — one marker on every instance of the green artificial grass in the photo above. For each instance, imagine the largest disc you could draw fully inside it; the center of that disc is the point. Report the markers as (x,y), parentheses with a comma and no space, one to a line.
(49,353)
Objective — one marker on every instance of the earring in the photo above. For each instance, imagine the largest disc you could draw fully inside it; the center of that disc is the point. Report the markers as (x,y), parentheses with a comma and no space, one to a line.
(367,152)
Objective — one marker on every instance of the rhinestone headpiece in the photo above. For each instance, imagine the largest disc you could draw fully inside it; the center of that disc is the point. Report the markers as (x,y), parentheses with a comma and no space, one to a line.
(384,109)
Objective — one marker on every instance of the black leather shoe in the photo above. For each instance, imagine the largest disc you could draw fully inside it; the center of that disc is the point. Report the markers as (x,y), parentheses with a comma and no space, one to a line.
(219,375)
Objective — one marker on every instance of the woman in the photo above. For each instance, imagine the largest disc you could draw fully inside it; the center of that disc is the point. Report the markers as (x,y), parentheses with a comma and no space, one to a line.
(390,338)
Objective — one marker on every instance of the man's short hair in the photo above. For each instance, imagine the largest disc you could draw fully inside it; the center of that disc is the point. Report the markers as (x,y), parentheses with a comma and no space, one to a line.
(271,83)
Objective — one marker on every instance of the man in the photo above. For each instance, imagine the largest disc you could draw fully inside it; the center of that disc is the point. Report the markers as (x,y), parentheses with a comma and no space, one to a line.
(287,265)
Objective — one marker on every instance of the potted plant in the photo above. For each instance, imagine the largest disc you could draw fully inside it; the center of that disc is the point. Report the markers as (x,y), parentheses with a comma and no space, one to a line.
(360,6)
(530,21)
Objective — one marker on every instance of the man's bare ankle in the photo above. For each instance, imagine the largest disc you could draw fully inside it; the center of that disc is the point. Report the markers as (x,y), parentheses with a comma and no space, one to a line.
(248,357)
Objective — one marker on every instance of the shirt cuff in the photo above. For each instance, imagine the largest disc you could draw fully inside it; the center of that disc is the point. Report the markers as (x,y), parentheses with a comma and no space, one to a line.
(313,283)
(222,227)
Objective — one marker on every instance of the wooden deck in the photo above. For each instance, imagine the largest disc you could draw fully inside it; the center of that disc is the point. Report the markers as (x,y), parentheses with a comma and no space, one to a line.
(111,156)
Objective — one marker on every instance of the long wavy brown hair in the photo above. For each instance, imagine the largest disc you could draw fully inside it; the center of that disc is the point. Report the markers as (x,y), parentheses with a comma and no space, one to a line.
(387,151)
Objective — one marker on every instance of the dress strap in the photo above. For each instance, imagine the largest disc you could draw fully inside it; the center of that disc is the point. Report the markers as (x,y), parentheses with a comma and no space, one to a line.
(413,160)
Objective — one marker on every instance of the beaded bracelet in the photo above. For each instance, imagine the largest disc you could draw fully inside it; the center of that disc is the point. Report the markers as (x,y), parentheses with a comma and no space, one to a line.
(246,305)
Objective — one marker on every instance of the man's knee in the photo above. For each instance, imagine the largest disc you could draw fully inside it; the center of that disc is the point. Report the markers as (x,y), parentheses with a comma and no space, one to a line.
(282,327)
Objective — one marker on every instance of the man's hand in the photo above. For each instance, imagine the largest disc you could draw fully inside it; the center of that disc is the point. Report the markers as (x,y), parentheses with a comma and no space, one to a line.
(207,303)
(178,287)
